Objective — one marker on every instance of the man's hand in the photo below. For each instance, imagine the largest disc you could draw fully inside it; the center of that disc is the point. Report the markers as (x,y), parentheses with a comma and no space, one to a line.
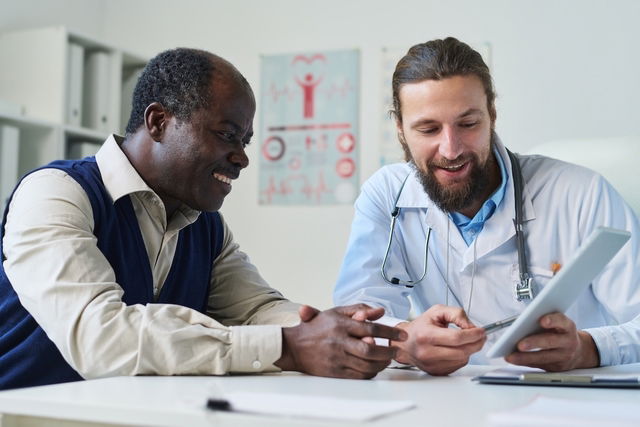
(329,343)
(434,347)
(560,348)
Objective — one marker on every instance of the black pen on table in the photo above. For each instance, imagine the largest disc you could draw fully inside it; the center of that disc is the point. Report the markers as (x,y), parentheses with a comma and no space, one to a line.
(218,404)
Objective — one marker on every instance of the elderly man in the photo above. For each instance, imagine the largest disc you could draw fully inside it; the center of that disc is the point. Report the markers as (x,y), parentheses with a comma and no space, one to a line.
(121,264)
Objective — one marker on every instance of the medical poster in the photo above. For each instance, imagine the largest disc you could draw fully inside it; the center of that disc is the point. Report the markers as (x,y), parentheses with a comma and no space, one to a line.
(309,128)
(390,149)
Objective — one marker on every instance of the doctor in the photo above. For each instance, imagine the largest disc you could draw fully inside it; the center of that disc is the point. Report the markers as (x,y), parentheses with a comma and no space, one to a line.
(451,255)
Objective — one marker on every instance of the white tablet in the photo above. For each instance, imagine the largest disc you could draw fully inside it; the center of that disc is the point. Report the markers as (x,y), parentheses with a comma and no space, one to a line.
(564,287)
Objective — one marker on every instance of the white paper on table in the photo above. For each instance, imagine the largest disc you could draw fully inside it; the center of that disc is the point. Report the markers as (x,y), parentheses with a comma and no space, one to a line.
(554,412)
(314,406)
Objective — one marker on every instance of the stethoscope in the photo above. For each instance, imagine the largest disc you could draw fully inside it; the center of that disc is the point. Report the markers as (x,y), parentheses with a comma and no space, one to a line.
(523,287)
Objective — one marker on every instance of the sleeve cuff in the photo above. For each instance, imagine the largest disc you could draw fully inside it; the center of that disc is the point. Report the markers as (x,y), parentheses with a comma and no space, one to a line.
(255,348)
(607,346)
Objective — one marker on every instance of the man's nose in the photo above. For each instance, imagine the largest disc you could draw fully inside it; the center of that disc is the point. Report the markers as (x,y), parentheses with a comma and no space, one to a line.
(450,146)
(239,158)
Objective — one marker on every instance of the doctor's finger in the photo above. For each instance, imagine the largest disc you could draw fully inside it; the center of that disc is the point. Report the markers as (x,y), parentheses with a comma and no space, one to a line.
(547,341)
(550,360)
(557,321)
(443,314)
(451,337)
(441,360)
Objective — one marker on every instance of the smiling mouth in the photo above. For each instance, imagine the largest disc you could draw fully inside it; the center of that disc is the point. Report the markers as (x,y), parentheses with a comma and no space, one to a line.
(222,178)
(453,168)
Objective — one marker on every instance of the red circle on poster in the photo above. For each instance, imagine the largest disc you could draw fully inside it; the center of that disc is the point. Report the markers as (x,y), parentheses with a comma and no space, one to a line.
(345,167)
(273,148)
(346,142)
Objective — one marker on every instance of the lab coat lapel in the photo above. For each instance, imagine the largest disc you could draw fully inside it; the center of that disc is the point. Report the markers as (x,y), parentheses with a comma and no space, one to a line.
(414,196)
(500,228)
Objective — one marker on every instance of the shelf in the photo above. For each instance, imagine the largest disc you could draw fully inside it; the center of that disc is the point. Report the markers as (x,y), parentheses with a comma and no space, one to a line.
(80,133)
(65,92)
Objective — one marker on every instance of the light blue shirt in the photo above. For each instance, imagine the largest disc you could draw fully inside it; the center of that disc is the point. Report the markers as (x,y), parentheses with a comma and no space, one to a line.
(469,228)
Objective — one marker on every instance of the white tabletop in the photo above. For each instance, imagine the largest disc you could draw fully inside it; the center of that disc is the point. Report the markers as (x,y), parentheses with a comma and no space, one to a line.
(180,401)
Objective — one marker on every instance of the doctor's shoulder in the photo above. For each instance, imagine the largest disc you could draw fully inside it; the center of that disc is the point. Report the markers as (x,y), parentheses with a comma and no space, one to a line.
(387,181)
(548,175)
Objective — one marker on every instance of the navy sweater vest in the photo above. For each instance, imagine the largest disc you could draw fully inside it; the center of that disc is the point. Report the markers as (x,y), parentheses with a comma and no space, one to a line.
(28,357)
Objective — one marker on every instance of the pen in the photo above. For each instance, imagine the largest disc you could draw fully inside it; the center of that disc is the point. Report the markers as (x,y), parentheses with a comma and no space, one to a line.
(496,326)
(219,404)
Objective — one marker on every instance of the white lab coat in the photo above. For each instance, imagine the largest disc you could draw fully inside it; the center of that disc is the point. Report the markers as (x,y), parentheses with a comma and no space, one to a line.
(563,204)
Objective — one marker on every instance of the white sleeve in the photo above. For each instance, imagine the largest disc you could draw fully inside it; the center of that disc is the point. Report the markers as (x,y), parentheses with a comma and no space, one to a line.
(617,288)
(359,280)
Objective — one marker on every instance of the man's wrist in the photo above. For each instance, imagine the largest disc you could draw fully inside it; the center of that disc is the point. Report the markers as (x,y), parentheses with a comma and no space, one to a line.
(286,362)
(590,356)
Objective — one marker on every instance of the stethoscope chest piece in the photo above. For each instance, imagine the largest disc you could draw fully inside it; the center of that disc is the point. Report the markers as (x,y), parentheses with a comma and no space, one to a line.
(524,288)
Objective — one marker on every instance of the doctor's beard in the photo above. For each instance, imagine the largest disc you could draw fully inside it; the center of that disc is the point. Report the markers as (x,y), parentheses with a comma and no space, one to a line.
(454,198)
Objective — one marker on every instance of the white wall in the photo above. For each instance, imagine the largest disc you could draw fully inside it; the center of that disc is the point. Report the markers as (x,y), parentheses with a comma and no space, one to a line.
(85,16)
(563,69)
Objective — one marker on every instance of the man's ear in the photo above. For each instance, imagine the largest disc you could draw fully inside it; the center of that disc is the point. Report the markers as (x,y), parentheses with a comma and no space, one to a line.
(403,142)
(400,132)
(155,120)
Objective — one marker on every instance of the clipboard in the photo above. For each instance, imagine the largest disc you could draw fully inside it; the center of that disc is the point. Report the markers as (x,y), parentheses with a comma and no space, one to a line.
(562,379)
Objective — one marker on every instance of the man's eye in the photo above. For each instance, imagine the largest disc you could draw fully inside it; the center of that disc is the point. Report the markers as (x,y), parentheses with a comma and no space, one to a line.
(468,124)
(428,131)
(228,136)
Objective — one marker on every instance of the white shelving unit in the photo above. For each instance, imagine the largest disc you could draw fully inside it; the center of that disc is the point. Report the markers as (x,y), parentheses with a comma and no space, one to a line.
(62,91)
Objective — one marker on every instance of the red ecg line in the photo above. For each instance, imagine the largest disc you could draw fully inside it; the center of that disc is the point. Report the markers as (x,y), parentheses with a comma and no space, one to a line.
(286,187)
(275,94)
(339,89)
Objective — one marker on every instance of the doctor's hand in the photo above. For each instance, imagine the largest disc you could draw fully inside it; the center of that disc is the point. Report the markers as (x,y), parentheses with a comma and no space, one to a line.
(434,347)
(560,347)
(330,343)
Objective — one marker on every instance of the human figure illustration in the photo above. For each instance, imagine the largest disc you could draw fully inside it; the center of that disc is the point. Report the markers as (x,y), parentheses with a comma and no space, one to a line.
(308,87)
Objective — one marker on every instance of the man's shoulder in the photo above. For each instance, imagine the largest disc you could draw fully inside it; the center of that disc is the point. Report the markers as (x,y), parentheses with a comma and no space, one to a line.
(391,176)
(539,166)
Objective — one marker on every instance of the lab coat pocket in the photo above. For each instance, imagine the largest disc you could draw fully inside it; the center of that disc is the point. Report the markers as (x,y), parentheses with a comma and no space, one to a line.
(541,277)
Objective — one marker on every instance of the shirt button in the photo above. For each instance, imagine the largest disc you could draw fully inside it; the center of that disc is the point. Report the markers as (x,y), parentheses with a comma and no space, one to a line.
(256,365)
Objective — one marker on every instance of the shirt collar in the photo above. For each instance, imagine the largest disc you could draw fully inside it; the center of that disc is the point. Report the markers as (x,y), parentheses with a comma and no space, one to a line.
(414,196)
(121,178)
(118,174)
(490,205)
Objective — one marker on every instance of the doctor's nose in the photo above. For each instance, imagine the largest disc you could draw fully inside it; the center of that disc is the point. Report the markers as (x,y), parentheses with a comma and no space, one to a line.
(450,146)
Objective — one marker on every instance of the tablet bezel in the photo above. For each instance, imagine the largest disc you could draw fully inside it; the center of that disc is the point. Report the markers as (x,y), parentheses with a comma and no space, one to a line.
(562,290)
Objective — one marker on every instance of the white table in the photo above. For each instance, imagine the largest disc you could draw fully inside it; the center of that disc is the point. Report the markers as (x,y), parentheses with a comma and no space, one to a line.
(180,401)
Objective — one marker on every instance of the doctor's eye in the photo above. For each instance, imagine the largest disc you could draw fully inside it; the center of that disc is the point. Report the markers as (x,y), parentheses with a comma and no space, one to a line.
(428,131)
(468,124)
